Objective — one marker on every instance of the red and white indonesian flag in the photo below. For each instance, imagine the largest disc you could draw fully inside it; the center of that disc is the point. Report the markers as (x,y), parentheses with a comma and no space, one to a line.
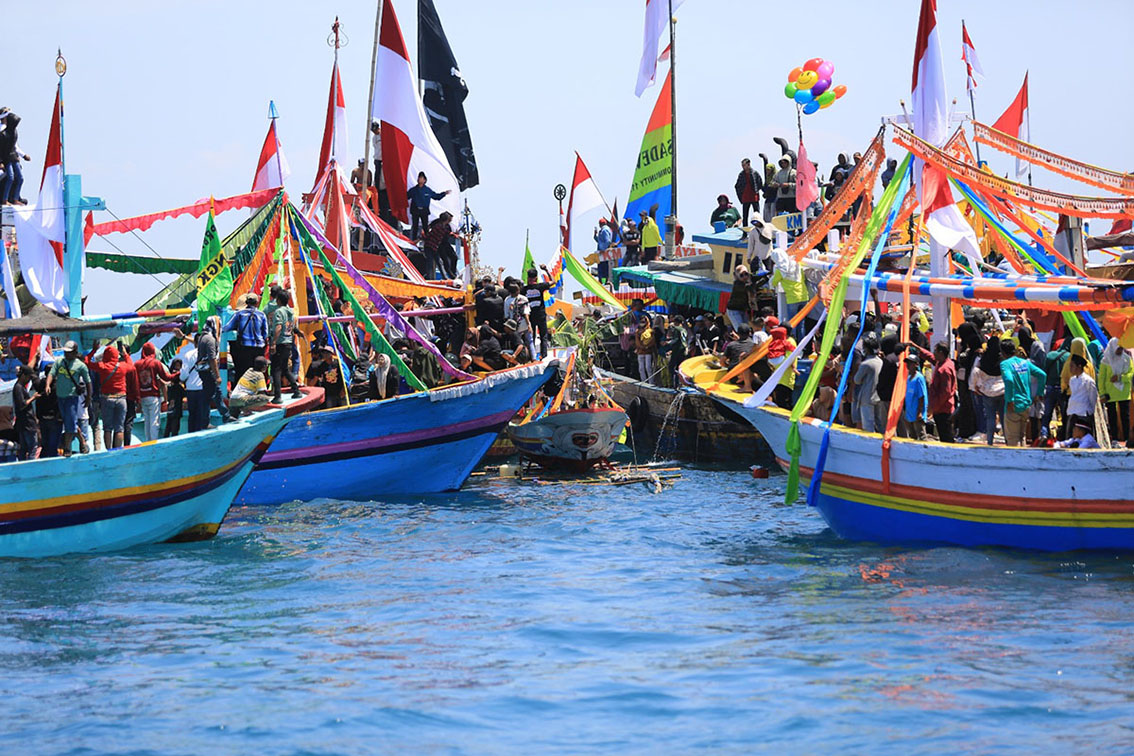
(409,146)
(272,168)
(334,128)
(944,222)
(585,197)
(1014,122)
(40,228)
(806,185)
(657,18)
(972,62)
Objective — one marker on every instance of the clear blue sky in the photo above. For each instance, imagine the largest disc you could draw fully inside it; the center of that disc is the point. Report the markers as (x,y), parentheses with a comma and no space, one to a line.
(166,102)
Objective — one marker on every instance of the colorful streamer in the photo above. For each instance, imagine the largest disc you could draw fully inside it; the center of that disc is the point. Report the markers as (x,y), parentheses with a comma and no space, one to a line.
(794,443)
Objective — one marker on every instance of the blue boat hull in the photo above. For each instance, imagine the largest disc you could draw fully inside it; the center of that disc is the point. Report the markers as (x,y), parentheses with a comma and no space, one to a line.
(427,442)
(172,489)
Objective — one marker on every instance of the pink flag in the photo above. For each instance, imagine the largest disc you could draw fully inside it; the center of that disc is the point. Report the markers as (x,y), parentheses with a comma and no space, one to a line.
(806,187)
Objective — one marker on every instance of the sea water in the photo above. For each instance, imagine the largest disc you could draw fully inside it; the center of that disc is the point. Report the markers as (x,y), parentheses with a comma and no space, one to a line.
(564,618)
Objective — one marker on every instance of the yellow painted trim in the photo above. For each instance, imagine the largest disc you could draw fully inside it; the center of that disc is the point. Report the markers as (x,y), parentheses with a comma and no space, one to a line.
(63,501)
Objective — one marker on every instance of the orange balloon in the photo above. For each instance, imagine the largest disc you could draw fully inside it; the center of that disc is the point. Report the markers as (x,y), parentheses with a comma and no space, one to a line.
(840,91)
(795,72)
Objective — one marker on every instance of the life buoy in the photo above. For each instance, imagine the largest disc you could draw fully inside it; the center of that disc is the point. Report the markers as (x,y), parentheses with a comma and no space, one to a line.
(639,413)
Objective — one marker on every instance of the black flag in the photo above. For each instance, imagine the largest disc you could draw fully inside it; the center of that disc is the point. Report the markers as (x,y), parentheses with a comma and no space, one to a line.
(444,95)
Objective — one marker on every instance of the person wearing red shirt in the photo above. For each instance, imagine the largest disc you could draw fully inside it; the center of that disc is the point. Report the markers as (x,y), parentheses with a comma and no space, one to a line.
(133,394)
(942,390)
(112,380)
(152,378)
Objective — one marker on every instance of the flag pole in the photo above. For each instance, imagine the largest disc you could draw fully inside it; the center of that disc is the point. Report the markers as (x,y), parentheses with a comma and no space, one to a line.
(670,238)
(369,117)
(969,81)
(1028,116)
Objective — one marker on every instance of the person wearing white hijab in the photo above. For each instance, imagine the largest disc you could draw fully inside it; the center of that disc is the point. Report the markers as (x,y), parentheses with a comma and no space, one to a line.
(380,377)
(1116,373)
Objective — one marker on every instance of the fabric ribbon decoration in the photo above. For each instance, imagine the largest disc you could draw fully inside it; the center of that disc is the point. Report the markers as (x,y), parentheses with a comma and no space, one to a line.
(760,397)
(377,340)
(392,316)
(197,209)
(794,445)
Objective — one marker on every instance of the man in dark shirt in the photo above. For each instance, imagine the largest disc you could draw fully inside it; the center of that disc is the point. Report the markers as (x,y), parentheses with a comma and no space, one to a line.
(632,240)
(324,372)
(419,197)
(737,350)
(534,291)
(488,356)
(490,306)
(27,424)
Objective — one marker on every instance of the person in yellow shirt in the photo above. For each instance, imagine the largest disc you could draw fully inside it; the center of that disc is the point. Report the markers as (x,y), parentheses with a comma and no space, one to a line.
(651,237)
(1116,373)
(252,388)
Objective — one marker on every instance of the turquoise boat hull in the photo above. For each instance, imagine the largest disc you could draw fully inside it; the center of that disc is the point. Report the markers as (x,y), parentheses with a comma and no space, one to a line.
(426,442)
(177,488)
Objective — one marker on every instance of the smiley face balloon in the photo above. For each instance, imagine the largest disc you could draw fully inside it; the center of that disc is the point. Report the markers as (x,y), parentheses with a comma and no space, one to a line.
(811,86)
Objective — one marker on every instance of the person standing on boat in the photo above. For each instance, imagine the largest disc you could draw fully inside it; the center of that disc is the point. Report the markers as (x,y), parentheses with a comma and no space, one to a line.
(112,379)
(866,385)
(748,186)
(251,328)
(1053,397)
(152,376)
(784,184)
(11,173)
(175,399)
(1084,392)
(27,426)
(739,299)
(71,381)
(645,345)
(281,338)
(518,309)
(632,241)
(651,237)
(1017,373)
(419,196)
(987,385)
(207,367)
(1116,373)
(534,291)
(324,372)
(888,174)
(911,423)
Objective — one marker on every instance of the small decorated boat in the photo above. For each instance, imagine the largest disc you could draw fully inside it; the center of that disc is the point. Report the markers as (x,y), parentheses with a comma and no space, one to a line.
(173,489)
(576,428)
(573,439)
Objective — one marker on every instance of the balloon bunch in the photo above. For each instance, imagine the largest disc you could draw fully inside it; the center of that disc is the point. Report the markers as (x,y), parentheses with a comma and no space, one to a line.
(810,85)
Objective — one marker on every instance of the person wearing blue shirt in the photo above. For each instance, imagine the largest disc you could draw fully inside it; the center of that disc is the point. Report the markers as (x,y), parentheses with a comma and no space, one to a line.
(251,328)
(912,422)
(419,197)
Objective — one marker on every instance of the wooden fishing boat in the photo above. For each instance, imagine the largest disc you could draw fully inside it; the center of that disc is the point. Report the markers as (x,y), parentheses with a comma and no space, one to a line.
(426,442)
(573,439)
(963,494)
(173,489)
(686,425)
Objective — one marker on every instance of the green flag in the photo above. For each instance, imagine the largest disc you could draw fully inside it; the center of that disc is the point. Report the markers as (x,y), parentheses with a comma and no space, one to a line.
(214,277)
(580,273)
(529,261)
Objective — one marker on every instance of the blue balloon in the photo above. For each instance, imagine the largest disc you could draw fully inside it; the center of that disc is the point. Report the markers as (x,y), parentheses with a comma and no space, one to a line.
(803,96)
(811,107)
